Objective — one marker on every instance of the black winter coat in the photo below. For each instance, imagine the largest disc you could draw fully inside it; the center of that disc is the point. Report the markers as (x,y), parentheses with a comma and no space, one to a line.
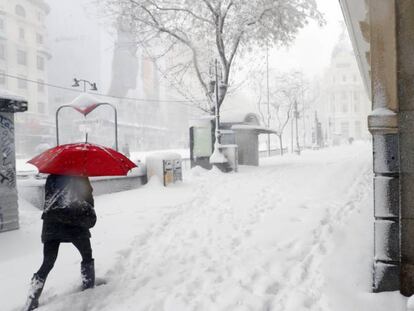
(69,209)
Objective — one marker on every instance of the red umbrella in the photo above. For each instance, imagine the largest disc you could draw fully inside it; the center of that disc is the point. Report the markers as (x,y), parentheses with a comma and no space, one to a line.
(82,159)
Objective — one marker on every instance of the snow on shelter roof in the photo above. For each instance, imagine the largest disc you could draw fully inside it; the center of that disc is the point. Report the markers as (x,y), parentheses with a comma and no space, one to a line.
(258,129)
(240,117)
(12,103)
(5,94)
(85,99)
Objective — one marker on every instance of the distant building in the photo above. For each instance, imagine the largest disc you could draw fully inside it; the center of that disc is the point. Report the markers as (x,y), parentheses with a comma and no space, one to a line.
(23,58)
(125,76)
(75,41)
(345,103)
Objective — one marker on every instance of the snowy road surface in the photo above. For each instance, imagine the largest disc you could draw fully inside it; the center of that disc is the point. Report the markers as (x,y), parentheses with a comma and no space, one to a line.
(293,234)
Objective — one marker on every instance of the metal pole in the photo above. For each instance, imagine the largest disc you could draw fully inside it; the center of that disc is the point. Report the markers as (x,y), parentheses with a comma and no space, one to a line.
(217,105)
(57,126)
(303,111)
(116,127)
(57,122)
(296,126)
(291,135)
(268,97)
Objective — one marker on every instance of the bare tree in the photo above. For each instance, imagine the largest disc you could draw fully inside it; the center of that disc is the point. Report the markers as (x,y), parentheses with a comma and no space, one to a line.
(206,29)
(285,95)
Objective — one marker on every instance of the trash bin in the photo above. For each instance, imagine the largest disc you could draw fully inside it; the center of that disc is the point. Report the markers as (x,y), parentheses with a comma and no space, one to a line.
(231,153)
(166,165)
(178,170)
(167,172)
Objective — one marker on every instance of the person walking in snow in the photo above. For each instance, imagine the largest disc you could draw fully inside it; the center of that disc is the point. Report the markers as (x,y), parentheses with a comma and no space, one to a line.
(67,217)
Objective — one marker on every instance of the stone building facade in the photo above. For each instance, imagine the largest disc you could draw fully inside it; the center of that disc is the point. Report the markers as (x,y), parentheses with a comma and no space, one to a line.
(345,101)
(24,59)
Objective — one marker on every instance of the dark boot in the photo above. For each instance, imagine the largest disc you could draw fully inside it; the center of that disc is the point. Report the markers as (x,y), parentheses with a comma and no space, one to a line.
(88,274)
(36,287)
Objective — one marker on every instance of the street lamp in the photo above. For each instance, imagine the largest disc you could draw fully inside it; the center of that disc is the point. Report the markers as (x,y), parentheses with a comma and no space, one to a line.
(218,88)
(85,82)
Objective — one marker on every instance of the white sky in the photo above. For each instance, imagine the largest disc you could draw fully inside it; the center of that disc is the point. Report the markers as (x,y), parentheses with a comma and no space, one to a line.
(311,51)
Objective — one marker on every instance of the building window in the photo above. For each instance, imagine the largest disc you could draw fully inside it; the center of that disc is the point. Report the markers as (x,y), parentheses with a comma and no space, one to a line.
(345,129)
(344,78)
(2,78)
(21,33)
(39,16)
(356,96)
(39,38)
(358,128)
(344,107)
(40,63)
(40,86)
(21,57)
(357,109)
(19,10)
(22,83)
(343,95)
(2,51)
(1,24)
(41,107)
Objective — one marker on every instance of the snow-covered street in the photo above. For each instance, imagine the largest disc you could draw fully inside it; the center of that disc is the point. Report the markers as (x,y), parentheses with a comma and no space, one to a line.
(293,234)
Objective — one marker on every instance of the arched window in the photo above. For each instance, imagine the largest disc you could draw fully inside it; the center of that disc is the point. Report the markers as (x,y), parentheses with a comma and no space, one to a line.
(20,10)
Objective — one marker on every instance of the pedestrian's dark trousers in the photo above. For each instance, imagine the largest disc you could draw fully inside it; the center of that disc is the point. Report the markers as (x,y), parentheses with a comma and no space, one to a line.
(51,249)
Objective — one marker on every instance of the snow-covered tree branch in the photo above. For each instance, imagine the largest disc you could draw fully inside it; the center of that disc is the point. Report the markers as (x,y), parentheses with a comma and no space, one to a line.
(209,29)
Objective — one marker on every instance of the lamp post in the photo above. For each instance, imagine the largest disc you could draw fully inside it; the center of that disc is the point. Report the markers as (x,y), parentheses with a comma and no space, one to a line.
(216,87)
(85,82)
(268,97)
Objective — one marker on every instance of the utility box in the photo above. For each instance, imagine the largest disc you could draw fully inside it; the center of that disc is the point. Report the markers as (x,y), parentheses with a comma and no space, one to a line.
(9,215)
(201,141)
(232,155)
(167,166)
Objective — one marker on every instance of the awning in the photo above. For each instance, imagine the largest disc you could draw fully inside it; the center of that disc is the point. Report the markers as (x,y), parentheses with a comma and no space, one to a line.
(255,128)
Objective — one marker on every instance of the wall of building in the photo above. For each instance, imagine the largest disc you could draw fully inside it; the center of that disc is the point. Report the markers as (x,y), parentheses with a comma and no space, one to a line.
(24,54)
(9,215)
(345,103)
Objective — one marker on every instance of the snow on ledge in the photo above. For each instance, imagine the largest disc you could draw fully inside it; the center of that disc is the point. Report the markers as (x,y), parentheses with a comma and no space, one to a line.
(382,112)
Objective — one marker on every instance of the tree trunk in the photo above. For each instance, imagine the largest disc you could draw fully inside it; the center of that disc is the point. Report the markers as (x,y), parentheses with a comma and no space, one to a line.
(280,144)
(297,136)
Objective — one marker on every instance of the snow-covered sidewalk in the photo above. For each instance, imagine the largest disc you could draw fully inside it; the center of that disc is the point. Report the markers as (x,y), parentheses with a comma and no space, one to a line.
(293,234)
